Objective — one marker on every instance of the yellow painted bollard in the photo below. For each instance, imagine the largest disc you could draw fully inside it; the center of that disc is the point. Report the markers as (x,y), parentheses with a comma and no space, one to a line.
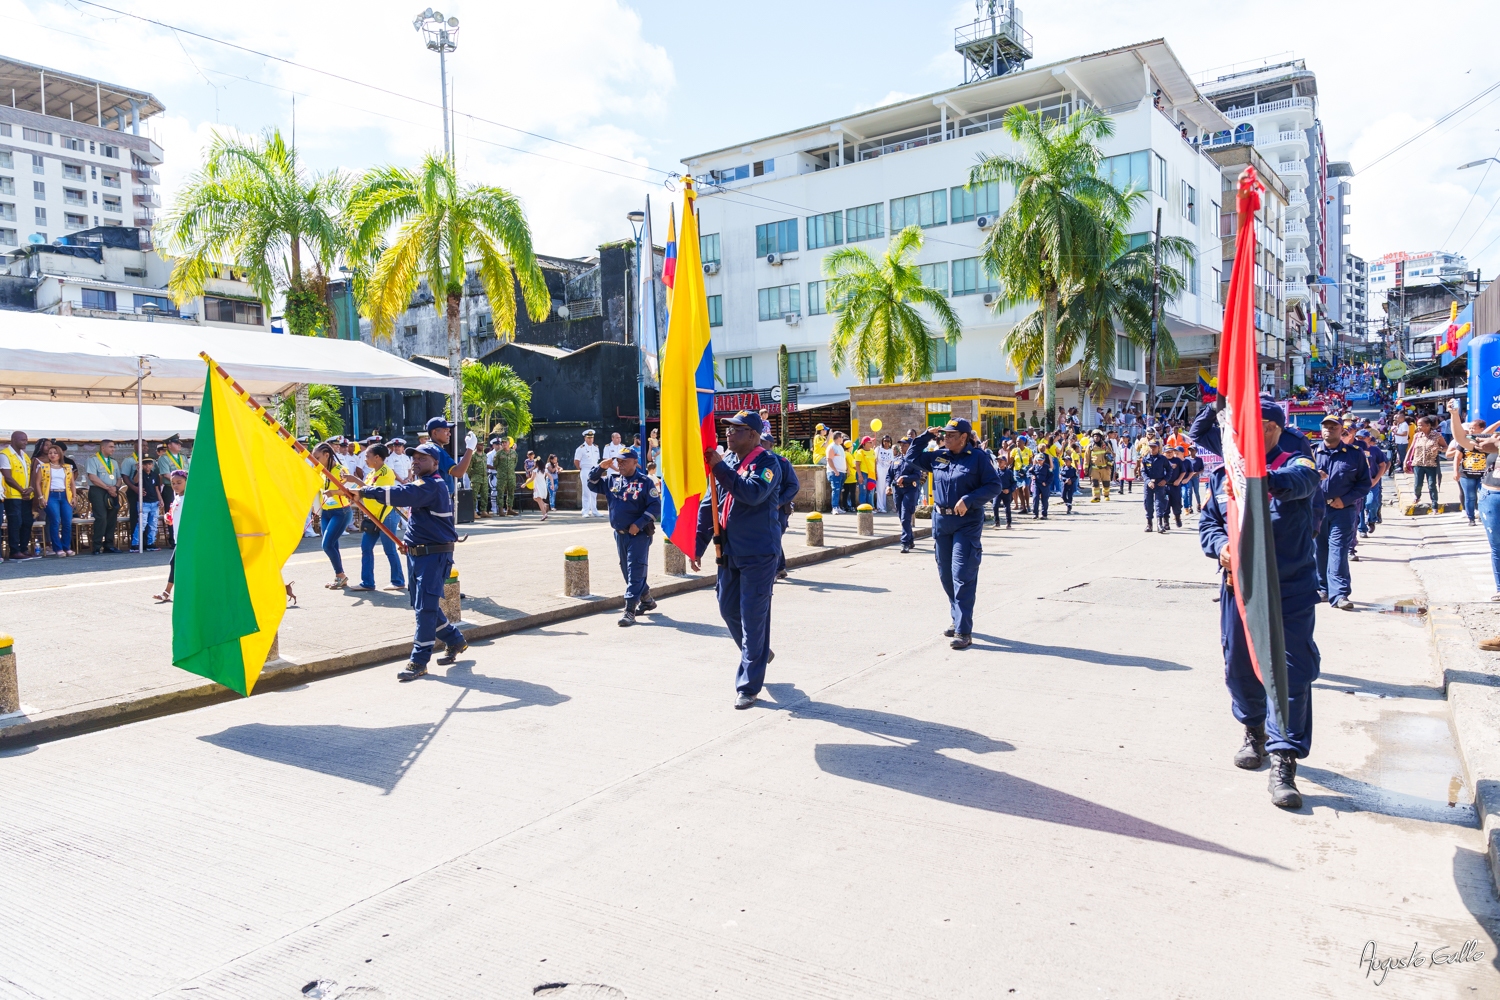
(674,561)
(815,530)
(10,692)
(576,572)
(866,524)
(451,602)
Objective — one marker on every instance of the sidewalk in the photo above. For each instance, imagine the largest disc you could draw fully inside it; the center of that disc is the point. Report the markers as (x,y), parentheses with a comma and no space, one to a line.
(93,648)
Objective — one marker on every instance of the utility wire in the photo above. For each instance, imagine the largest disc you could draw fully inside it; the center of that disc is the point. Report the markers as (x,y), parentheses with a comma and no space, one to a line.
(1408,141)
(1457,222)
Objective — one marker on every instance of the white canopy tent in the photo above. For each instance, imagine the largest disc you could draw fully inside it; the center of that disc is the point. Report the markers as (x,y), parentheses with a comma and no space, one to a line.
(94,421)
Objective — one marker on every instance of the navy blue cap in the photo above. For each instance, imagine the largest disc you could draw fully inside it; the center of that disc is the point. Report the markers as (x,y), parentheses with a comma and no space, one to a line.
(747,418)
(1272,411)
(630,453)
(438,423)
(959,426)
(432,451)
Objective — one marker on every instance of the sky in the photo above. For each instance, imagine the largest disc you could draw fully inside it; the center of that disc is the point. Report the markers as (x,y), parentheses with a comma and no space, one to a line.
(640,85)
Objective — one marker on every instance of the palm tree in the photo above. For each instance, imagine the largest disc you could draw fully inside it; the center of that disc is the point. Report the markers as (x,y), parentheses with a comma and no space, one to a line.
(252,206)
(434,226)
(497,391)
(1056,232)
(322,411)
(879,325)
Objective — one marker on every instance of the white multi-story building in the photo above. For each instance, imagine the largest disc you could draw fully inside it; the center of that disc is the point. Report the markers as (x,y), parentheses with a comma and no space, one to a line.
(773,208)
(72,155)
(1400,269)
(1355,292)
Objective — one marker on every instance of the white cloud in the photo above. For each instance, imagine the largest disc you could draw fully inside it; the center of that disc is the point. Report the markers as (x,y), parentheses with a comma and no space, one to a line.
(891,97)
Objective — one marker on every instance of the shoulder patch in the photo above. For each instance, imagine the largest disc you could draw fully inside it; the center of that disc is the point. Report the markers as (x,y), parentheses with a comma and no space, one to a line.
(1302,461)
(767,475)
(655,492)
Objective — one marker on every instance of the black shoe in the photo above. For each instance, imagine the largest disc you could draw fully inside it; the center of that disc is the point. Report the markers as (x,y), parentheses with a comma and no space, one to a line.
(961,642)
(628,618)
(452,653)
(1179,520)
(1366,534)
(1149,527)
(770,655)
(781,574)
(905,549)
(744,701)
(412,672)
(1283,781)
(1354,557)
(647,605)
(950,632)
(1253,754)
(1163,529)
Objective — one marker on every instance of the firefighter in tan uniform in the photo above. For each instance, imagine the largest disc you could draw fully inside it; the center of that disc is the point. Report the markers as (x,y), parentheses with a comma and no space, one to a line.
(1101,460)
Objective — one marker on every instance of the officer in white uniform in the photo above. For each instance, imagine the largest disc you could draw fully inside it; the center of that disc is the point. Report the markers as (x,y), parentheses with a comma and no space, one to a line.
(584,460)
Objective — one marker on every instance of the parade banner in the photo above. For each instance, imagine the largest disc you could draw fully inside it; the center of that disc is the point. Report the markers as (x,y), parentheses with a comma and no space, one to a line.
(1253,573)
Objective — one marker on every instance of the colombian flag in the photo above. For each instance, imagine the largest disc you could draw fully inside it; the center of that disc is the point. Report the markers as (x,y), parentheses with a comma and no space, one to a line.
(687,388)
(1208,386)
(669,260)
(240,522)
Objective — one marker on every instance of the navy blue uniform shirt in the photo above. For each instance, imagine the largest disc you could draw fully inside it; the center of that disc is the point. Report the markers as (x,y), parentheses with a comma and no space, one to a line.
(1069,476)
(1293,486)
(1039,476)
(1007,477)
(431,509)
(748,492)
(1347,471)
(789,484)
(632,499)
(1156,470)
(968,475)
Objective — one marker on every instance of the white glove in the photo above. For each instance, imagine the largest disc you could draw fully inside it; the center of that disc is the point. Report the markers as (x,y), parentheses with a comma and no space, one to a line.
(471,441)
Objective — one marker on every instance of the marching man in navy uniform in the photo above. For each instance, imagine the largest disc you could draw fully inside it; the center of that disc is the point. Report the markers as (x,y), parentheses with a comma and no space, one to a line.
(634,508)
(1156,470)
(749,480)
(1292,479)
(1346,480)
(963,481)
(430,536)
(905,485)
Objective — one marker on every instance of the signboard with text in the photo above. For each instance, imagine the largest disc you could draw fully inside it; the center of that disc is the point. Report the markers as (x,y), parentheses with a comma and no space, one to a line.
(727,404)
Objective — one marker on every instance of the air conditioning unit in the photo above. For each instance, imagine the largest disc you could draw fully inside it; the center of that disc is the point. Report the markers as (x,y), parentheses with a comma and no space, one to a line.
(989,298)
(792,319)
(711,267)
(773,259)
(985,221)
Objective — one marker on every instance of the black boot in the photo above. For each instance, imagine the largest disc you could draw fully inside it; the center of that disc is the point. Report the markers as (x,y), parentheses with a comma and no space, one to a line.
(647,604)
(1253,754)
(1283,783)
(1178,519)
(1163,528)
(452,653)
(1149,526)
(628,618)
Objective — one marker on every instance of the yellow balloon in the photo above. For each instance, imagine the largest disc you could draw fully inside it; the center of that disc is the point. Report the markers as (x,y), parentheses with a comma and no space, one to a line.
(875,424)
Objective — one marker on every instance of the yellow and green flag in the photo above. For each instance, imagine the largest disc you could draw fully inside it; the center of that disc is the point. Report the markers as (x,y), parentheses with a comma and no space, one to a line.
(247,500)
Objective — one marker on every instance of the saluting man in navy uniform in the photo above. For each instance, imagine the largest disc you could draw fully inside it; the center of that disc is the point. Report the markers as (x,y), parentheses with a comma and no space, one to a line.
(1156,470)
(1346,480)
(634,508)
(963,481)
(906,487)
(430,535)
(749,481)
(1292,480)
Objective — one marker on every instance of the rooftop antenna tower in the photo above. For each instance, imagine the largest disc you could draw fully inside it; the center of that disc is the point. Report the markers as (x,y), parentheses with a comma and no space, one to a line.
(995,44)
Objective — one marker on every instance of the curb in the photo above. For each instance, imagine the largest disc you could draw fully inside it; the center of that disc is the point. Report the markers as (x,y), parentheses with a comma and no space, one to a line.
(1473,692)
(279,675)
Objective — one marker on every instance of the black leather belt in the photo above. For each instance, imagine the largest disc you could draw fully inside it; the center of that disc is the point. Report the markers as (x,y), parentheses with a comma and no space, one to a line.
(638,534)
(949,511)
(428,550)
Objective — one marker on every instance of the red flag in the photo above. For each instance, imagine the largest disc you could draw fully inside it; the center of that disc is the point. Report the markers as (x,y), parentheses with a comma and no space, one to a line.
(1252,550)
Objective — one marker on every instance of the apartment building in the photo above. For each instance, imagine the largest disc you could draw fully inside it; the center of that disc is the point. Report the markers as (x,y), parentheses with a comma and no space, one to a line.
(72,156)
(1355,291)
(1398,270)
(771,209)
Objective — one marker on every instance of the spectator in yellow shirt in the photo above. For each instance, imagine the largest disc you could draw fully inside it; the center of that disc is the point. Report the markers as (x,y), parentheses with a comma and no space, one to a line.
(380,474)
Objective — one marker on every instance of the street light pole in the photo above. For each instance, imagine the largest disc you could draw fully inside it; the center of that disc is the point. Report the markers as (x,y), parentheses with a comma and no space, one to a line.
(1155,308)
(351,332)
(637,222)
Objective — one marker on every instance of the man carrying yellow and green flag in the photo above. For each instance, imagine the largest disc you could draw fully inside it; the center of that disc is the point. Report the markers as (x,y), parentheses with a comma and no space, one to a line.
(243,518)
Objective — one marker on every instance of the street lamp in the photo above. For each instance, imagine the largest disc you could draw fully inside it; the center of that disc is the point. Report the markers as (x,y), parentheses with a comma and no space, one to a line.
(351,332)
(441,37)
(637,221)
(1479,163)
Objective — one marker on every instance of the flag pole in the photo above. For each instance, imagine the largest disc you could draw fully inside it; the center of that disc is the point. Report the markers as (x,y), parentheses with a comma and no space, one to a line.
(296,445)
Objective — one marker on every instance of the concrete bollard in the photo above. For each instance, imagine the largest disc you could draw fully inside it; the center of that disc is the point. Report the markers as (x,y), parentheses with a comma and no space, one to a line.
(674,561)
(815,530)
(820,492)
(866,524)
(576,572)
(10,692)
(451,602)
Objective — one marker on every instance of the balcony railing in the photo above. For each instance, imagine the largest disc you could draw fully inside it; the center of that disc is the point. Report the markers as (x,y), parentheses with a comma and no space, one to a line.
(1294,290)
(1296,229)
(1291,167)
(1270,109)
(146,175)
(109,182)
(75,200)
(146,196)
(1295,258)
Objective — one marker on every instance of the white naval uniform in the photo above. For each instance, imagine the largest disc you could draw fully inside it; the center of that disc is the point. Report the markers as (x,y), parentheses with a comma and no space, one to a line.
(587,457)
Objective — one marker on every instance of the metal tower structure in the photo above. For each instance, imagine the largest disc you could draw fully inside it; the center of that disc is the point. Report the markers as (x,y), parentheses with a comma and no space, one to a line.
(995,43)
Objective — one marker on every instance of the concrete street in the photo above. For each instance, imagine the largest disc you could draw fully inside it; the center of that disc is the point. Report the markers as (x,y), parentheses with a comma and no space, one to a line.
(1052,813)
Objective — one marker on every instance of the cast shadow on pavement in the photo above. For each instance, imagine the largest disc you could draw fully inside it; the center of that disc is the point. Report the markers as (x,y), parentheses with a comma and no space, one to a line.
(660,619)
(1476,887)
(378,757)
(823,586)
(1354,795)
(1000,645)
(919,768)
(1355,685)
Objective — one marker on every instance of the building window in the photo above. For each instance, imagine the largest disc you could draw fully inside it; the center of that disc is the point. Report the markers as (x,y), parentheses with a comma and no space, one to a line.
(776,237)
(98,298)
(1161,176)
(77,145)
(802,367)
(716,310)
(72,172)
(33,135)
(39,190)
(1125,353)
(943,354)
(4,130)
(1128,170)
(1192,276)
(410,331)
(109,180)
(111,204)
(8,238)
(970,277)
(817,292)
(738,373)
(41,216)
(825,230)
(159,302)
(970,203)
(708,248)
(75,221)
(866,222)
(38,164)
(7,161)
(73,196)
(1189,202)
(782,300)
(936,276)
(217,310)
(112,152)
(925,210)
(7,185)
(7,212)
(762,167)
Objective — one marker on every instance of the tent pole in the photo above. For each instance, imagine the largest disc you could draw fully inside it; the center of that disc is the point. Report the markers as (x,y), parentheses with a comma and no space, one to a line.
(140,456)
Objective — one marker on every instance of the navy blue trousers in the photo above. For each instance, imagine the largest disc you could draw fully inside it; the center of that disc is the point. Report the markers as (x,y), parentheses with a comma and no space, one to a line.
(906,510)
(1247,694)
(1155,501)
(635,553)
(425,578)
(1335,542)
(956,543)
(1039,498)
(784,518)
(744,590)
